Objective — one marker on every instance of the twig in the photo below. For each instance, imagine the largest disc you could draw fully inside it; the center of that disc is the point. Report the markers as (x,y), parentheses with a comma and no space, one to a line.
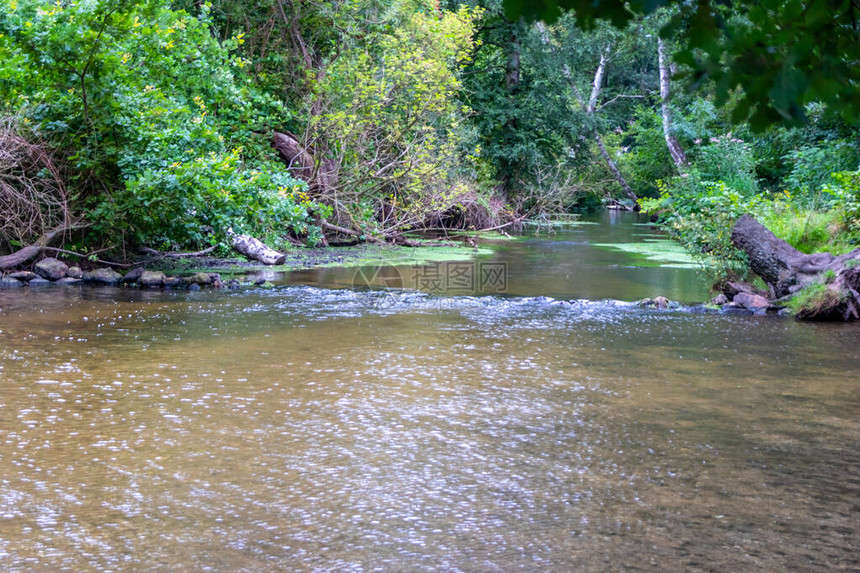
(153,252)
(96,260)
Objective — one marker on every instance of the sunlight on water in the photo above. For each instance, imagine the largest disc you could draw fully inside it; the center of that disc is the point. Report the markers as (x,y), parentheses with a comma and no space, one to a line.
(301,428)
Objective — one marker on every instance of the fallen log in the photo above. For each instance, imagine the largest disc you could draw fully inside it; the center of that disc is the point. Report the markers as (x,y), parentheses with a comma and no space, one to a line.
(787,271)
(21,256)
(338,229)
(255,249)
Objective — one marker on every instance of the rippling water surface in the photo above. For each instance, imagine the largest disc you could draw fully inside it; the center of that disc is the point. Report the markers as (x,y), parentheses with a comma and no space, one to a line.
(303,428)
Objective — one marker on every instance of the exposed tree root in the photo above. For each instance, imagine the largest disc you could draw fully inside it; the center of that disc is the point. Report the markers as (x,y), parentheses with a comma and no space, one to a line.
(832,281)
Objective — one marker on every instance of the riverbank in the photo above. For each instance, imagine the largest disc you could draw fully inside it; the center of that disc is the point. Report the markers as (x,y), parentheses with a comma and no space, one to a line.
(608,259)
(187,272)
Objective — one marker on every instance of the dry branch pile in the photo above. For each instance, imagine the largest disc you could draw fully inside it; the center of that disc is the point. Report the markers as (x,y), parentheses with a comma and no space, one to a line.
(33,197)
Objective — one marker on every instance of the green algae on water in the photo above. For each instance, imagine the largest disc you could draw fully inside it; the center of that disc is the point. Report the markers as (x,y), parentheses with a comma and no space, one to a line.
(656,252)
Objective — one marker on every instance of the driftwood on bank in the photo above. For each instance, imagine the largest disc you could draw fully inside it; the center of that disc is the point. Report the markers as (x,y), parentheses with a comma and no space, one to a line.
(255,249)
(338,229)
(786,270)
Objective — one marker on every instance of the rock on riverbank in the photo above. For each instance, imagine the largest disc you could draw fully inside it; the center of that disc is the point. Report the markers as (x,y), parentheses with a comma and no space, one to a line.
(50,271)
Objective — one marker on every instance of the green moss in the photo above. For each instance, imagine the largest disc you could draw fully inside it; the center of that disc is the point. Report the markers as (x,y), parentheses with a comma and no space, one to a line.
(417,255)
(817,301)
(759,284)
(486,235)
(558,223)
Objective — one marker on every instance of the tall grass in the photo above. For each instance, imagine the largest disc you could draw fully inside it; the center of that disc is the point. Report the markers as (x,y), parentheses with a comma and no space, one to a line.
(807,230)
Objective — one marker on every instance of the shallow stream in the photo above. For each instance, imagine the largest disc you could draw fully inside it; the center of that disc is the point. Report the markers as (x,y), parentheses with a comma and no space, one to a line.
(315,427)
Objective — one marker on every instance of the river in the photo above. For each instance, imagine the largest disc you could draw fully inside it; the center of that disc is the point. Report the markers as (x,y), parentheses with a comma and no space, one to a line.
(316,427)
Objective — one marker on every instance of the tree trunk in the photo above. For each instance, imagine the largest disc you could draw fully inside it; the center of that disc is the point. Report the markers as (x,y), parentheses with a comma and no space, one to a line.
(675,149)
(301,163)
(613,168)
(255,249)
(597,84)
(512,82)
(786,270)
(297,158)
(512,71)
(590,108)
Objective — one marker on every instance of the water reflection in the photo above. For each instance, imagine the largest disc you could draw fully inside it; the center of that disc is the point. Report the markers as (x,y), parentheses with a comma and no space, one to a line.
(564,264)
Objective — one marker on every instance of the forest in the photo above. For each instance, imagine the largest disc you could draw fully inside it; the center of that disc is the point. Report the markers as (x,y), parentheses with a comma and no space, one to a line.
(173,125)
(430,285)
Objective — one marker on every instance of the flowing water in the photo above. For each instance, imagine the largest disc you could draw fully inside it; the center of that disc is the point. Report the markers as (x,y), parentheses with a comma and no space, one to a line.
(318,429)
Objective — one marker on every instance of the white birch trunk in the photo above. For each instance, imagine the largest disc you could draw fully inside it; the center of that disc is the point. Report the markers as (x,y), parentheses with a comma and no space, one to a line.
(590,108)
(675,149)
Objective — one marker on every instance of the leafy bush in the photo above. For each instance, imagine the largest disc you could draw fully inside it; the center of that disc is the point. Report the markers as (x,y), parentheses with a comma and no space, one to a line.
(198,200)
(647,160)
(701,215)
(391,120)
(727,159)
(166,133)
(812,167)
(846,192)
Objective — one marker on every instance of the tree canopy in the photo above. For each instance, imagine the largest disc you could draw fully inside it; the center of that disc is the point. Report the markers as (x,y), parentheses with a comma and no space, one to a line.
(780,55)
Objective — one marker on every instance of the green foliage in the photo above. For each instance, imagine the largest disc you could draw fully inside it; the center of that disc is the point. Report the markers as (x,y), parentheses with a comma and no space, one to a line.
(846,192)
(157,118)
(510,126)
(213,193)
(391,120)
(728,159)
(647,160)
(420,113)
(774,50)
(701,215)
(812,166)
(806,230)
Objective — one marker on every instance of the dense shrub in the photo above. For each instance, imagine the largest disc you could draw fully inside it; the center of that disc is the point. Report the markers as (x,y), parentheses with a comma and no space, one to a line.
(701,216)
(812,166)
(166,134)
(845,188)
